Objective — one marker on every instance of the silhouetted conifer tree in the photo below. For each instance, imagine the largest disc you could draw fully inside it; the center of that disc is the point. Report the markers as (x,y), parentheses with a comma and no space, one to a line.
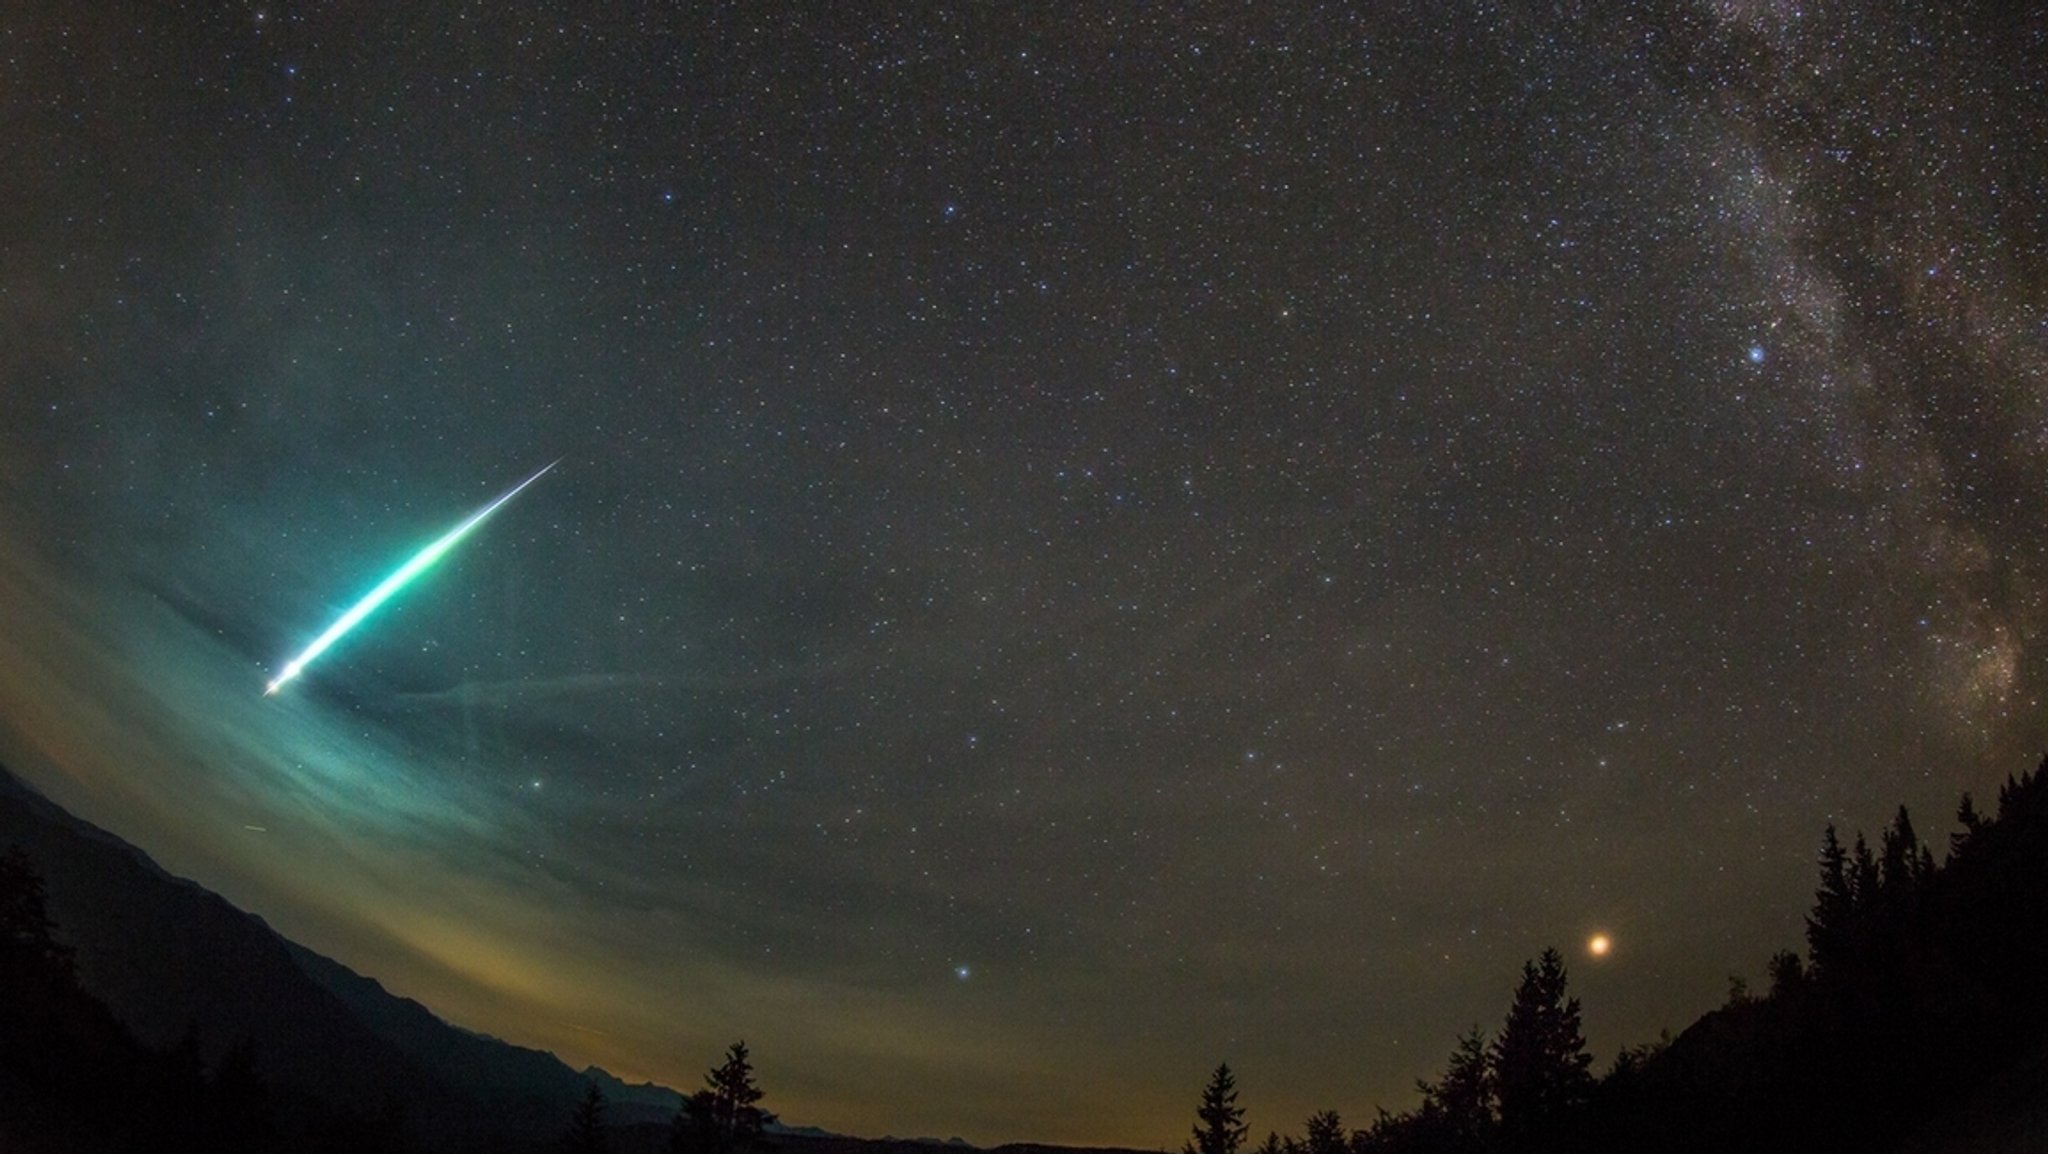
(2012,794)
(1456,1115)
(1830,928)
(1738,992)
(586,1134)
(29,949)
(1864,878)
(1388,1134)
(1324,1133)
(1461,1105)
(1970,820)
(1631,1060)
(1540,1062)
(1904,865)
(1787,974)
(1219,1120)
(691,1130)
(722,1117)
(36,977)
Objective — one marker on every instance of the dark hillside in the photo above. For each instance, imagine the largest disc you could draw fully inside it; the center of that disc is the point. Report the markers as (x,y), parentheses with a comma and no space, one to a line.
(167,964)
(166,955)
(1924,1006)
(1917,1022)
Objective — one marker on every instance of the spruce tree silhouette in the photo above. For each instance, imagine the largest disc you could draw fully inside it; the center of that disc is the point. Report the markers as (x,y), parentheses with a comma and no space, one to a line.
(1904,864)
(586,1133)
(1219,1120)
(29,949)
(1461,1105)
(1788,974)
(1325,1134)
(1540,1062)
(1456,1115)
(722,1118)
(1831,927)
(1967,817)
(1864,880)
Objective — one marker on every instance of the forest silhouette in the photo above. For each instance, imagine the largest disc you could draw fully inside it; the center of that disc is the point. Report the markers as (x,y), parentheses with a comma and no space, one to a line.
(1917,1019)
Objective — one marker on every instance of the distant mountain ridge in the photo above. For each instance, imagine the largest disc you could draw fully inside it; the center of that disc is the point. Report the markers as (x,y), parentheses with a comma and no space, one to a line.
(472,1061)
(1919,1026)
(207,965)
(167,955)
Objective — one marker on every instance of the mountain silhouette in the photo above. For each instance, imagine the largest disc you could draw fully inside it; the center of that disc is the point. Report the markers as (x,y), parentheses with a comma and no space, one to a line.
(171,960)
(1916,1024)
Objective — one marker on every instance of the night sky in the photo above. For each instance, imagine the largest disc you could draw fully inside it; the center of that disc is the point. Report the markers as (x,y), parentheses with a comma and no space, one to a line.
(1090,539)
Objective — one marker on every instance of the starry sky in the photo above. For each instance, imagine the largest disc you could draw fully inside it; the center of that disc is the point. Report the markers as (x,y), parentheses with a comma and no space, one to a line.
(1090,540)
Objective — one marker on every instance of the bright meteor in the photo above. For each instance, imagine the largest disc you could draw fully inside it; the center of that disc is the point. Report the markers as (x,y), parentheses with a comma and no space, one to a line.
(421,561)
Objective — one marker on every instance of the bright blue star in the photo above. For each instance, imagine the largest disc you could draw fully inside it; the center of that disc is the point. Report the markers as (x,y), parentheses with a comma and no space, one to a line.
(1756,354)
(962,972)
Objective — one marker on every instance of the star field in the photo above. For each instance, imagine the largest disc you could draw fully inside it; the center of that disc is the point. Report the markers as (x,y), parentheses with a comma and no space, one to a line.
(1089,543)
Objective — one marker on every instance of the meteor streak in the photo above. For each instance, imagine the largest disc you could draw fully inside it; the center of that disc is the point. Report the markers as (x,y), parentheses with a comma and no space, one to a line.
(421,561)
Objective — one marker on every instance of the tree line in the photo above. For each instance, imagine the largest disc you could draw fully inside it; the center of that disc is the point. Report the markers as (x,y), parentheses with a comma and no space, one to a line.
(1922,996)
(1519,1092)
(1921,1002)
(724,1117)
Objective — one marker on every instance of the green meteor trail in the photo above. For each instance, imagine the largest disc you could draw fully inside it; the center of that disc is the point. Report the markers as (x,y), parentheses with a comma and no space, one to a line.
(421,561)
